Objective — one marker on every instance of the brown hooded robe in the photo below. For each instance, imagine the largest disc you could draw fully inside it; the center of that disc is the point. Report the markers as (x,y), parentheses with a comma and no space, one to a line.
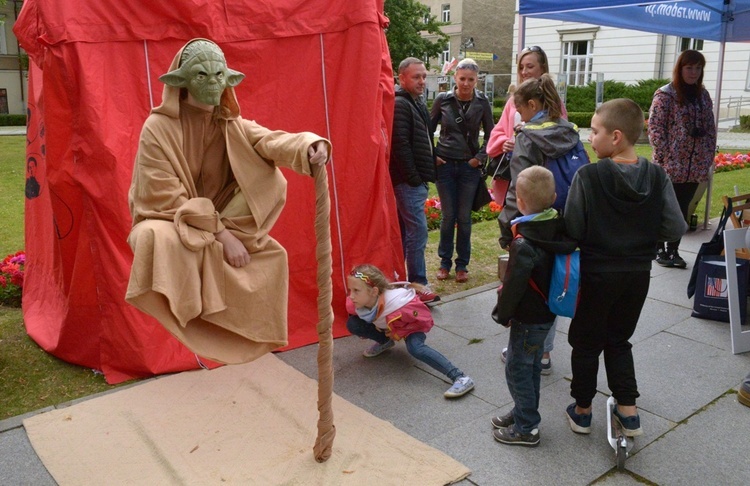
(179,275)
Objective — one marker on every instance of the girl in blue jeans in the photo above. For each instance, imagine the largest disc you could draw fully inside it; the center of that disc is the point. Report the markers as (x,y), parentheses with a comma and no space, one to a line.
(387,312)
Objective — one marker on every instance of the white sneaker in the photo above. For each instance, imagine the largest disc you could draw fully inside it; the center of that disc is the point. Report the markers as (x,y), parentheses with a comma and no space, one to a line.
(377,348)
(460,387)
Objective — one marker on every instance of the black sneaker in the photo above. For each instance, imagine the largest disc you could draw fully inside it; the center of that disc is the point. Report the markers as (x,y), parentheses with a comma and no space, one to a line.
(503,420)
(508,435)
(677,260)
(664,259)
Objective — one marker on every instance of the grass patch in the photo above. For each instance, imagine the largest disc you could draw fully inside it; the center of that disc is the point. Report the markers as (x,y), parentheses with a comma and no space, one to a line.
(12,183)
(33,379)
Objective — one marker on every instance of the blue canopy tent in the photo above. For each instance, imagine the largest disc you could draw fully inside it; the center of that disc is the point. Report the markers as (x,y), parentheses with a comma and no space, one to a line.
(715,20)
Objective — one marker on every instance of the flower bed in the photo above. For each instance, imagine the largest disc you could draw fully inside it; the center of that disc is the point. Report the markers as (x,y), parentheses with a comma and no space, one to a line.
(11,279)
(726,162)
(434,215)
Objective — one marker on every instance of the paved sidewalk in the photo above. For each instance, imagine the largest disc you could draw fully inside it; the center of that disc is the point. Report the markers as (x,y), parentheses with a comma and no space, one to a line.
(696,433)
(12,131)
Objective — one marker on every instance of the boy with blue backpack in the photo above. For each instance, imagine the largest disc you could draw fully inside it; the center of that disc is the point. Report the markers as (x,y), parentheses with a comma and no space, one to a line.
(539,234)
(548,140)
(617,209)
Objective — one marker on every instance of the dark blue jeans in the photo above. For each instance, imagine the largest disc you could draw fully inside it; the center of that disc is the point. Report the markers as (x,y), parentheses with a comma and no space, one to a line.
(523,370)
(457,184)
(414,344)
(413,223)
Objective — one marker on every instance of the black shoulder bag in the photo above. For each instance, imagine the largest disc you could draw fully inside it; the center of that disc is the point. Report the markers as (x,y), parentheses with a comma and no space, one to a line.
(482,195)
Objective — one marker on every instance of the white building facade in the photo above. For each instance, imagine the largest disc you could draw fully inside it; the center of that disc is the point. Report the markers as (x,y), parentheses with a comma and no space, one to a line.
(12,78)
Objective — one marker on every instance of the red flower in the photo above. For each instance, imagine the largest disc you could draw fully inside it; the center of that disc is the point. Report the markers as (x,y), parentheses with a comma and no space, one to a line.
(16,278)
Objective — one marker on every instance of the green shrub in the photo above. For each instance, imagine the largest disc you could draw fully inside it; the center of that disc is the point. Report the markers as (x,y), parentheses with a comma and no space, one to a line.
(581,118)
(583,98)
(499,102)
(745,122)
(643,92)
(12,120)
(496,112)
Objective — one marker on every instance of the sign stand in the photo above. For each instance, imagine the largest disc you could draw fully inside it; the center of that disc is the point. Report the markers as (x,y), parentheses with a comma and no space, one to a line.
(734,239)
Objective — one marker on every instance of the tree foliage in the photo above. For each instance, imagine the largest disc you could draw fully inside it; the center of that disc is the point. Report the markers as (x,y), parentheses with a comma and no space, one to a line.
(407,21)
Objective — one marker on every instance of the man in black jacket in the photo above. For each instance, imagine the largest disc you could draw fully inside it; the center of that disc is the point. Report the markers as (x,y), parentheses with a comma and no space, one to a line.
(412,166)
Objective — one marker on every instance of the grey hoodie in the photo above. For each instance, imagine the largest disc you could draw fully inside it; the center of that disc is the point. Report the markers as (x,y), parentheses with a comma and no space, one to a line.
(536,142)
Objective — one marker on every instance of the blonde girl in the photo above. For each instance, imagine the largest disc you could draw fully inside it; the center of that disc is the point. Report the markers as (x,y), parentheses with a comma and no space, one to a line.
(388,312)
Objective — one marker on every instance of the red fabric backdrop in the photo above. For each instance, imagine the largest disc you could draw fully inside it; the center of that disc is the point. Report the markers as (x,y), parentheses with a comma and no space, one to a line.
(314,65)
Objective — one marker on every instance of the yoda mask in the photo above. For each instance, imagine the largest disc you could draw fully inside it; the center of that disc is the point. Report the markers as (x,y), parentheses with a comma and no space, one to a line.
(203,72)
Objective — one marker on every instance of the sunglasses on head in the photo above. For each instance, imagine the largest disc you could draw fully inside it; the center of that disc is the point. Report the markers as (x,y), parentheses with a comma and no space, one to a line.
(532,49)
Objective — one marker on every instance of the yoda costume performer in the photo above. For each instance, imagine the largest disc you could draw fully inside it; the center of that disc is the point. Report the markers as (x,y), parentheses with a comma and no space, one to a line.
(205,193)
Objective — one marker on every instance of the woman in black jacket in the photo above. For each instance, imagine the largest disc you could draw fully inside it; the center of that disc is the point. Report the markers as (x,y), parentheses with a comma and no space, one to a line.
(461,113)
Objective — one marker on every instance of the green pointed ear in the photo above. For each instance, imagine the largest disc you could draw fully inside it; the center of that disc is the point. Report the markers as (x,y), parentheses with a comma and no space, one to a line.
(234,77)
(174,78)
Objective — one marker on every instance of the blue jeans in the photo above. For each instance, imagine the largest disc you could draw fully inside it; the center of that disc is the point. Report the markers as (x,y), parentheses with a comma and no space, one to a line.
(414,344)
(523,369)
(413,223)
(457,184)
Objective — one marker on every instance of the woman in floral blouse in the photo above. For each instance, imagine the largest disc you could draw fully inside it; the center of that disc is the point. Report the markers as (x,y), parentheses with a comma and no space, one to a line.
(682,131)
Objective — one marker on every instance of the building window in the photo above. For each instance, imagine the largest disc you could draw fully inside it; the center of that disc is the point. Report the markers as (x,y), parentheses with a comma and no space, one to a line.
(688,43)
(445,57)
(3,101)
(446,16)
(577,62)
(3,46)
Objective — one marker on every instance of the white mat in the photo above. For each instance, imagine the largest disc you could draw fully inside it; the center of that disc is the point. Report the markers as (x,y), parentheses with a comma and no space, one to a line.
(245,424)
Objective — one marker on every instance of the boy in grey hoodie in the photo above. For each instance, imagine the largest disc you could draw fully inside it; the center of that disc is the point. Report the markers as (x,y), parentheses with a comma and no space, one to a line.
(617,209)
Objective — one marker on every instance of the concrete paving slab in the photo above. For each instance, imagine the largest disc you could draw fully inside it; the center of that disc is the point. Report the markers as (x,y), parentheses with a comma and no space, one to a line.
(469,316)
(671,287)
(710,448)
(480,360)
(19,464)
(668,367)
(715,333)
(390,385)
(656,317)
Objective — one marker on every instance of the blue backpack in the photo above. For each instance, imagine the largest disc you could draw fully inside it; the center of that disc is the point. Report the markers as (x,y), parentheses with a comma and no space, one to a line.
(564,285)
(564,168)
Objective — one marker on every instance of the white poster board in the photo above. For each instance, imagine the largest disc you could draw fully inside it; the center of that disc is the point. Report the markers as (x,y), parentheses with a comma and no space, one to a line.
(733,240)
